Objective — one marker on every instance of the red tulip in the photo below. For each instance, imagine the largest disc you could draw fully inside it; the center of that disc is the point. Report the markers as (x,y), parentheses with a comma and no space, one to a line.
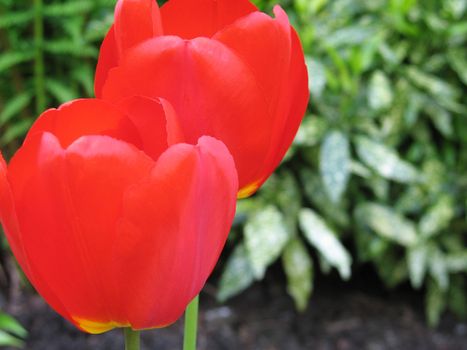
(229,71)
(114,226)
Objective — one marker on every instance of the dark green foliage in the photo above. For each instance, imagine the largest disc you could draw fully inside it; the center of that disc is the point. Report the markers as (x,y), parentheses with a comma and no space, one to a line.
(11,332)
(72,32)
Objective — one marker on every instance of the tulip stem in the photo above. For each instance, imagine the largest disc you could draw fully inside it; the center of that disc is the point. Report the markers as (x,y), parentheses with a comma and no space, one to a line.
(132,341)
(191,325)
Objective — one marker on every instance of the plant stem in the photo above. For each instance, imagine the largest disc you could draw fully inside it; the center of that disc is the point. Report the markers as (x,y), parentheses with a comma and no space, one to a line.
(132,340)
(191,325)
(39,71)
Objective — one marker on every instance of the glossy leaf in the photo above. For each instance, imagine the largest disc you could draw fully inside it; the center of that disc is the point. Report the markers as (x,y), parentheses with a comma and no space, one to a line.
(386,161)
(298,268)
(380,92)
(265,237)
(387,223)
(335,164)
(321,236)
(237,276)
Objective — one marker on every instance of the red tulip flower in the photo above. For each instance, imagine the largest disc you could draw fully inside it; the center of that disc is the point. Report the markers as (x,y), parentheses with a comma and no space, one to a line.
(114,221)
(229,70)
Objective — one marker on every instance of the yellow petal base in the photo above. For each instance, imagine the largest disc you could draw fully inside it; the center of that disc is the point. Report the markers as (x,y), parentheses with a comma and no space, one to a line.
(94,327)
(248,190)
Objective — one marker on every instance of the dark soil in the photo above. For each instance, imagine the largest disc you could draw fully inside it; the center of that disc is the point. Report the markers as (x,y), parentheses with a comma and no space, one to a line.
(355,316)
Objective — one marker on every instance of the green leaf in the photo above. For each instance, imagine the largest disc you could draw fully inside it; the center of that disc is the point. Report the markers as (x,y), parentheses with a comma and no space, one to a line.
(316,77)
(238,274)
(11,19)
(438,268)
(458,61)
(289,200)
(442,119)
(351,35)
(387,223)
(298,268)
(417,263)
(7,339)
(456,262)
(385,161)
(438,217)
(85,76)
(311,131)
(265,237)
(444,93)
(60,91)
(71,8)
(69,48)
(18,129)
(359,169)
(335,164)
(434,303)
(15,106)
(314,190)
(12,58)
(392,269)
(411,201)
(322,237)
(380,93)
(9,324)
(456,7)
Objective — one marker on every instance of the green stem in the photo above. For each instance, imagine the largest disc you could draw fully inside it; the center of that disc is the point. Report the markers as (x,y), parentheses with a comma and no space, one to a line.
(132,341)
(39,70)
(191,325)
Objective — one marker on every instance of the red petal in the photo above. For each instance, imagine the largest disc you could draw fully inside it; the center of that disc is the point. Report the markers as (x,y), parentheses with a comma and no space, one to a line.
(295,101)
(211,89)
(108,59)
(174,228)
(20,177)
(85,117)
(156,122)
(194,18)
(263,44)
(271,49)
(9,220)
(8,217)
(68,204)
(135,21)
(146,123)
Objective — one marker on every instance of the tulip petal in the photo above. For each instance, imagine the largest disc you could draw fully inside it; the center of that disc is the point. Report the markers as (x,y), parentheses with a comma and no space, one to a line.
(295,95)
(9,220)
(149,124)
(8,217)
(263,43)
(135,21)
(271,49)
(19,172)
(68,204)
(86,117)
(156,122)
(195,18)
(211,89)
(174,227)
(294,105)
(108,59)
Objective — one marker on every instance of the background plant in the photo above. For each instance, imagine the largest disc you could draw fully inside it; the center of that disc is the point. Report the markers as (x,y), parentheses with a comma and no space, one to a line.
(380,161)
(378,172)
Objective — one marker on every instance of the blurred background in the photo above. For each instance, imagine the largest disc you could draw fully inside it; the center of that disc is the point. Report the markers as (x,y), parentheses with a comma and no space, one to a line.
(359,239)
